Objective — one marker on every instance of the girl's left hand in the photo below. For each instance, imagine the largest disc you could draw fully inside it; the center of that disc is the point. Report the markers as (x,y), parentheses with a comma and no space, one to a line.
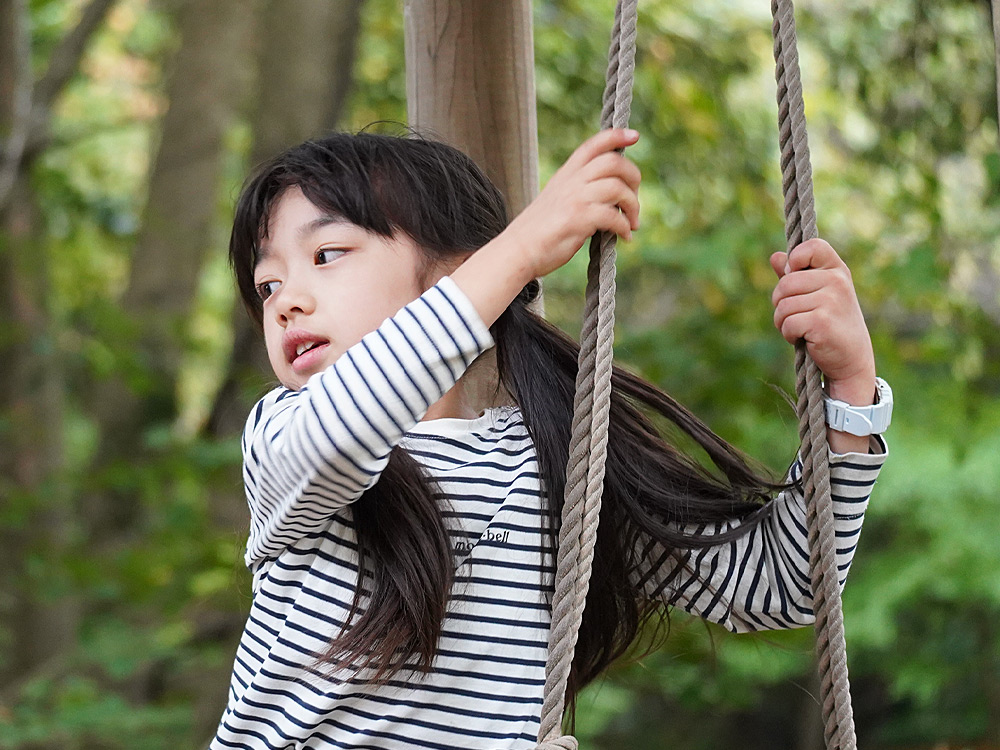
(815,300)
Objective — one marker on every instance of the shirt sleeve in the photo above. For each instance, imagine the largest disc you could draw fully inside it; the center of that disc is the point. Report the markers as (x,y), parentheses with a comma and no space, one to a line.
(310,452)
(760,581)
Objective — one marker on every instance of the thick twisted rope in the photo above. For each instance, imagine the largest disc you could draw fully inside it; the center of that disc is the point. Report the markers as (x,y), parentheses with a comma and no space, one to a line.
(800,225)
(591,408)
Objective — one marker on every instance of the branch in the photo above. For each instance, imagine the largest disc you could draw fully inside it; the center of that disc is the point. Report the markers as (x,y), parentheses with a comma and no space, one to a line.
(66,57)
(55,666)
(20,116)
(33,102)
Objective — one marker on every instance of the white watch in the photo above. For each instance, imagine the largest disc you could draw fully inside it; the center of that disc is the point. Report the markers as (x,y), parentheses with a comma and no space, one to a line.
(862,420)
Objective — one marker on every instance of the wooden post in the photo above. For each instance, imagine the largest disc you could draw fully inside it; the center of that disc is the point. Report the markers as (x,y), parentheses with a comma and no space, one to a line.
(470,81)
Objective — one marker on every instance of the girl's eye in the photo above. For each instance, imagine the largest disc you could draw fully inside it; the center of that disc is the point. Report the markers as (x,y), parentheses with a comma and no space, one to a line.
(328,254)
(266,289)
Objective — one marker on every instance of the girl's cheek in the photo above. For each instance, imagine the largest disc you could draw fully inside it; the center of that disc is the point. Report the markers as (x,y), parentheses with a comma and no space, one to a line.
(272,344)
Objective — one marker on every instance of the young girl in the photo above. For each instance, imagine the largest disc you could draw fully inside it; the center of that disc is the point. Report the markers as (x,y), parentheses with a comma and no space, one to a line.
(401,536)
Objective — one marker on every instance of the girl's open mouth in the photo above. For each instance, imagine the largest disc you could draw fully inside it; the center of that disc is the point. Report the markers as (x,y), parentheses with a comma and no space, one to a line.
(310,358)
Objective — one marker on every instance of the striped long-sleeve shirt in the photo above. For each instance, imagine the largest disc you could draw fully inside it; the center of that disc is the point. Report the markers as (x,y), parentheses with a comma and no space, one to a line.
(308,454)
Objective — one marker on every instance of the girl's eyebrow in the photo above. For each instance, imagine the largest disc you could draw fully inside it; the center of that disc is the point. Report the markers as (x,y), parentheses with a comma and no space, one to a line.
(263,252)
(318,223)
(302,234)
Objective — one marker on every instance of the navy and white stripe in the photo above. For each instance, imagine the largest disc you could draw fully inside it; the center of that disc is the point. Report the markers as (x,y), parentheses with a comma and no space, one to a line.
(309,453)
(761,580)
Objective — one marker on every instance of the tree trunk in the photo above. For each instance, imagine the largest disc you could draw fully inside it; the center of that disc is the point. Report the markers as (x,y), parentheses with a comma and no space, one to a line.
(15,91)
(305,71)
(304,74)
(470,80)
(39,629)
(206,86)
(204,90)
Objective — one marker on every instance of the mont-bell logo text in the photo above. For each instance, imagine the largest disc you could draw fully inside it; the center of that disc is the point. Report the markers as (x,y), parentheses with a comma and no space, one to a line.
(500,537)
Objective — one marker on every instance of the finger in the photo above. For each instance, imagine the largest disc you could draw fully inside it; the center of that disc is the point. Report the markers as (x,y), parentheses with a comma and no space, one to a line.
(807,281)
(811,323)
(632,212)
(612,191)
(795,327)
(778,261)
(793,306)
(814,253)
(609,139)
(613,164)
(610,219)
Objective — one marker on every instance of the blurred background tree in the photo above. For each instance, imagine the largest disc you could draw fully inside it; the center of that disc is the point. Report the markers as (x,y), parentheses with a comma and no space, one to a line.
(127,367)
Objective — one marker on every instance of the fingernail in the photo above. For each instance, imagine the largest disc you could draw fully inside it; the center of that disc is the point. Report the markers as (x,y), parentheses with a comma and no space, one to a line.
(787,268)
(630,133)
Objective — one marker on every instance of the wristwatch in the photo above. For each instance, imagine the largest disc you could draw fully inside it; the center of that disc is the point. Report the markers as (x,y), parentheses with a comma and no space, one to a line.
(862,420)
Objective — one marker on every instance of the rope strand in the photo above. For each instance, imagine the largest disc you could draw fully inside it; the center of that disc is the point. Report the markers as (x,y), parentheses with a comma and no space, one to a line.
(591,409)
(800,225)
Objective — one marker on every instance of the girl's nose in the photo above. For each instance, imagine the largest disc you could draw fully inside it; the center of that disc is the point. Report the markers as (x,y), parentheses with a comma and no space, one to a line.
(293,299)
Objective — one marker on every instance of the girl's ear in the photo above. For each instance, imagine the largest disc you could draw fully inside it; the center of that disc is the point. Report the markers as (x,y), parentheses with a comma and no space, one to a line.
(432,270)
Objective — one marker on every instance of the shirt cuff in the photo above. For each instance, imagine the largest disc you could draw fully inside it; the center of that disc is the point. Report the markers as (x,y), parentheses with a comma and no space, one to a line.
(878,450)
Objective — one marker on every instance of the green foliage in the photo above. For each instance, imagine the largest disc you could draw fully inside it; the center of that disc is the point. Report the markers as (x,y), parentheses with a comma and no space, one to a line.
(379,91)
(78,713)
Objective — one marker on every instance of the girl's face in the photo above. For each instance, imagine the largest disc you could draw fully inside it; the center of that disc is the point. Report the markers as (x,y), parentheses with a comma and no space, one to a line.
(325,284)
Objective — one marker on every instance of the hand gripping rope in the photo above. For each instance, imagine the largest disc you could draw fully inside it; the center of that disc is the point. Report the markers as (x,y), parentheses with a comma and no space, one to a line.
(589,435)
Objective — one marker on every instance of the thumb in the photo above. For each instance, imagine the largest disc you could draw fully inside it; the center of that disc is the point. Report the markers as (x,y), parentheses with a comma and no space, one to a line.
(778,263)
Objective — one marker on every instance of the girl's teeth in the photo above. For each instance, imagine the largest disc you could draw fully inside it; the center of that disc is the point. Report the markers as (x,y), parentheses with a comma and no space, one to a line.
(306,347)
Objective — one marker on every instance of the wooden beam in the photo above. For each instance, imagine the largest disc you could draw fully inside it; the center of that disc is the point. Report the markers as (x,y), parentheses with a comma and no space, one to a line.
(470,81)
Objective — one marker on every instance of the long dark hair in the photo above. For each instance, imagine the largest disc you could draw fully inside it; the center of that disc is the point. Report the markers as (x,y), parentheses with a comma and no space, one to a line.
(443,201)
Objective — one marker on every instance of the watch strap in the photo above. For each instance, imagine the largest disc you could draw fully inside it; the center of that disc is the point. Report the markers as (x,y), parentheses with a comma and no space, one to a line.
(861,420)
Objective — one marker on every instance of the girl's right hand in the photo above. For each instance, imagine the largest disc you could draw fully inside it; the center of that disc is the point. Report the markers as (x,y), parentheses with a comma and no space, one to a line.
(596,189)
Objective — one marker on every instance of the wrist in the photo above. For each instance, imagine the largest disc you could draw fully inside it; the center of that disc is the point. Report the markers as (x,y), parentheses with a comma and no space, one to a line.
(857,391)
(515,247)
(858,420)
(494,275)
